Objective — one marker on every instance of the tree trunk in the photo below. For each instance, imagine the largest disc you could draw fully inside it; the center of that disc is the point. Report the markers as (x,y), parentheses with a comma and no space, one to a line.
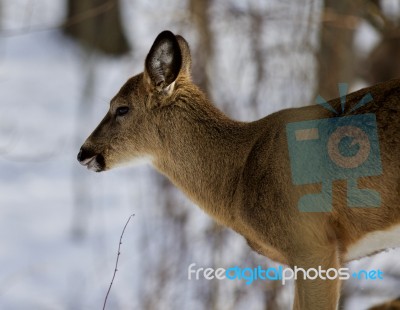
(382,63)
(96,24)
(204,54)
(336,57)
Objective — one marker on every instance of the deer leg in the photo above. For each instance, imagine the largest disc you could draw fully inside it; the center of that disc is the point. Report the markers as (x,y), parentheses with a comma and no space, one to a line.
(319,293)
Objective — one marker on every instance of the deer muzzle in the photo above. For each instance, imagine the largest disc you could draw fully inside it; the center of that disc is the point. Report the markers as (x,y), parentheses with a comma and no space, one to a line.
(91,160)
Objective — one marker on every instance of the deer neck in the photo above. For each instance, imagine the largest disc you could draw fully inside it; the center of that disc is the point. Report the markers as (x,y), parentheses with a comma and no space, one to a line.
(204,155)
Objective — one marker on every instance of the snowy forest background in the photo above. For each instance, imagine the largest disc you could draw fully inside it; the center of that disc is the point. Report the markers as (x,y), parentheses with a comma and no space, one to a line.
(60,64)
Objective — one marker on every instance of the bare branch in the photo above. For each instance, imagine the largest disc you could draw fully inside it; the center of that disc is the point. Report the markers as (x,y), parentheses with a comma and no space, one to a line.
(116,262)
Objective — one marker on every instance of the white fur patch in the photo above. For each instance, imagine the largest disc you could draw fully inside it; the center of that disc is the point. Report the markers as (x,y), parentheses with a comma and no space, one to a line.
(138,161)
(374,242)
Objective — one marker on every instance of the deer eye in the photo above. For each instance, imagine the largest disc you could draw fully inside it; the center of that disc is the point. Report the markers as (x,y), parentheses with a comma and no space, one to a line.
(122,111)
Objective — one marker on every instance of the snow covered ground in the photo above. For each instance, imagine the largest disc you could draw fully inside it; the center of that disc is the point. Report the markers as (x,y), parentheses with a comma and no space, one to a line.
(44,265)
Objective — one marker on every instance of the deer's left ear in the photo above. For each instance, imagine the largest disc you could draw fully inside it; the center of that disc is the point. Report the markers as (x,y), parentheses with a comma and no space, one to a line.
(164,62)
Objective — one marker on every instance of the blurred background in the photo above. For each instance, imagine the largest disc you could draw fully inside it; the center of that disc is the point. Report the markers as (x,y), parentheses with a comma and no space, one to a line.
(61,61)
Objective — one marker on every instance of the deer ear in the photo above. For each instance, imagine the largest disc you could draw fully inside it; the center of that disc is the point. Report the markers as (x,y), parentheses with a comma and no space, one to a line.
(186,57)
(164,61)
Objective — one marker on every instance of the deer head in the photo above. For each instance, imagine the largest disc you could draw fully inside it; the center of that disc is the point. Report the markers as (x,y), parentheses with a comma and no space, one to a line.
(131,127)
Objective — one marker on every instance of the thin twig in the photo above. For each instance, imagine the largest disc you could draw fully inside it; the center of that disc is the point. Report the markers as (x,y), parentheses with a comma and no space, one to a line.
(116,262)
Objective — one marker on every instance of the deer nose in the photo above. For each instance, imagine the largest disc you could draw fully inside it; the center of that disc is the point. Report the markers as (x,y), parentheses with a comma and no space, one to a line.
(85,155)
(79,157)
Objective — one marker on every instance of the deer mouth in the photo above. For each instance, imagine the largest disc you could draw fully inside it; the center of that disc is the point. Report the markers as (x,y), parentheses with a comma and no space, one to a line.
(91,163)
(94,163)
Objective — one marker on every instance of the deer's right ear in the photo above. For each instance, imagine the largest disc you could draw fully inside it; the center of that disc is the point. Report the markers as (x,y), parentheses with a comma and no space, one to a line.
(164,62)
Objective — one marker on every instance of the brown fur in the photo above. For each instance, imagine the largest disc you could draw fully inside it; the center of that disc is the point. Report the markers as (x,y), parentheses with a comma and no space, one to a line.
(239,172)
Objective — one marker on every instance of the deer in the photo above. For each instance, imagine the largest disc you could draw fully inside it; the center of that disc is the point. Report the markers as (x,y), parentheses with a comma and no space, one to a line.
(240,173)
